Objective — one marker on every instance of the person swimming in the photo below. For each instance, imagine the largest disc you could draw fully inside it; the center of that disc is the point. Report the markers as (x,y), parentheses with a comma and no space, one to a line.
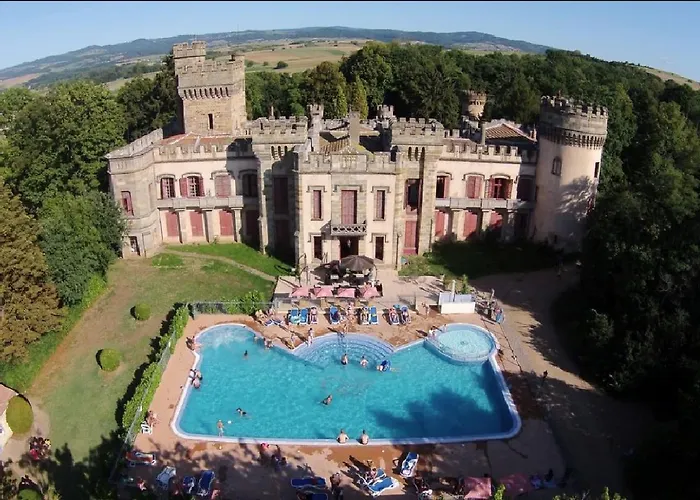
(196,383)
(385,366)
(245,354)
(342,437)
(344,359)
(364,438)
(241,412)
(328,400)
(363,362)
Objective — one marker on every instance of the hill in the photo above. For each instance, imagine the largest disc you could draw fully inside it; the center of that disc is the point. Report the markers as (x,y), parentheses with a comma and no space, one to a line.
(148,52)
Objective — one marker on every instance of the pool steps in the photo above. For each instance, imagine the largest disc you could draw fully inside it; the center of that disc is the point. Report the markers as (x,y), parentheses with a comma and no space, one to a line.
(355,345)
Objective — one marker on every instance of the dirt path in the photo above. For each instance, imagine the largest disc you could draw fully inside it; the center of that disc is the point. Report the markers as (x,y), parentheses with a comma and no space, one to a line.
(223,259)
(592,429)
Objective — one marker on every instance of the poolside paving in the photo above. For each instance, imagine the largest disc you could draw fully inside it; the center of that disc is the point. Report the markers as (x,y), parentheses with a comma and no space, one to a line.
(533,450)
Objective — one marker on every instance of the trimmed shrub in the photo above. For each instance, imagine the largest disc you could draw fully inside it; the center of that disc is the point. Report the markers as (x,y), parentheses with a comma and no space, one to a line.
(20,416)
(142,312)
(144,392)
(109,359)
(281,65)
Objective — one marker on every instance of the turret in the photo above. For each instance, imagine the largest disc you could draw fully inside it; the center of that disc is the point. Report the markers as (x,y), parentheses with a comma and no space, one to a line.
(473,104)
(571,136)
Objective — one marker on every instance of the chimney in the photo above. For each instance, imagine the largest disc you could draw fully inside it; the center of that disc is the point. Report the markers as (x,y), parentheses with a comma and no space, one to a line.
(354,127)
(483,133)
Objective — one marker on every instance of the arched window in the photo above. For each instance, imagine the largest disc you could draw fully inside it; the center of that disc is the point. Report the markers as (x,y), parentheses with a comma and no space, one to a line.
(556,166)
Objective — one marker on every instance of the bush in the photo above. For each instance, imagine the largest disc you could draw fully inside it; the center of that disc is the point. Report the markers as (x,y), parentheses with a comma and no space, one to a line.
(281,65)
(19,415)
(109,359)
(29,494)
(145,391)
(142,312)
(266,63)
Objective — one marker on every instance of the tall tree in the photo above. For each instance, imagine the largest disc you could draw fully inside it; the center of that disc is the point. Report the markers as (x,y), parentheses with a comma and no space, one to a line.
(357,98)
(80,236)
(28,303)
(12,101)
(326,85)
(61,140)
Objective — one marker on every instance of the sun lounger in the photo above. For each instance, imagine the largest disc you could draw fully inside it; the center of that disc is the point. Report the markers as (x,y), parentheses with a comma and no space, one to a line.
(163,479)
(364,316)
(294,316)
(373,317)
(376,488)
(409,465)
(188,484)
(145,428)
(408,315)
(380,475)
(315,495)
(334,315)
(135,458)
(308,482)
(205,482)
(304,317)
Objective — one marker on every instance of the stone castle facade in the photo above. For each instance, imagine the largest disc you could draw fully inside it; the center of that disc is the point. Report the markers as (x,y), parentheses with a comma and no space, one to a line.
(319,189)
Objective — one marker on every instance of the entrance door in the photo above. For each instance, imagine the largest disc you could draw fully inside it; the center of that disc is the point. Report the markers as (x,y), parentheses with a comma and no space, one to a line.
(348,246)
(172,224)
(439,224)
(410,243)
(471,223)
(251,227)
(379,248)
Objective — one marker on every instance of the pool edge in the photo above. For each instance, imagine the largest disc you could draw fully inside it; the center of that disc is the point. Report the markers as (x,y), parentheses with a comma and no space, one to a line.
(505,392)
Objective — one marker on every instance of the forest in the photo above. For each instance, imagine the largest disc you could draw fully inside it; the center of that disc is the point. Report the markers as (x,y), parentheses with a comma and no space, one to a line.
(633,321)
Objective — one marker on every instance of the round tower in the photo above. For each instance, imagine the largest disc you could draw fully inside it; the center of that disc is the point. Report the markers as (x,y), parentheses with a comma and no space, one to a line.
(570,136)
(473,105)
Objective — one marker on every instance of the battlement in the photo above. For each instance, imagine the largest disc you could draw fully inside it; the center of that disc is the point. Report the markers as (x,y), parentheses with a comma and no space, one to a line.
(385,112)
(327,163)
(195,49)
(417,126)
(564,106)
(467,150)
(284,129)
(476,97)
(139,146)
(235,64)
(573,123)
(315,109)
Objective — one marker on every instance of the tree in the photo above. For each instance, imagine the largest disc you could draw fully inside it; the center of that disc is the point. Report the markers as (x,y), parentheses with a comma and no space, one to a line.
(61,140)
(370,65)
(281,65)
(357,98)
(137,98)
(12,101)
(326,85)
(28,303)
(80,236)
(8,482)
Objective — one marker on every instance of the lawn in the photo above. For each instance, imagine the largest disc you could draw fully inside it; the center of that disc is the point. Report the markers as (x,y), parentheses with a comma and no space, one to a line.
(479,258)
(240,253)
(81,401)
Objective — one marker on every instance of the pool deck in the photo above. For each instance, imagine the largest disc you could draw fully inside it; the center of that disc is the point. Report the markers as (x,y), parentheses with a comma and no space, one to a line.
(237,466)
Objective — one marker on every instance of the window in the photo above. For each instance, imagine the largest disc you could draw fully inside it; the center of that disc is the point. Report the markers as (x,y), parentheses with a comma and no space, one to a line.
(380,205)
(525,188)
(250,185)
(597,169)
(379,248)
(318,248)
(473,187)
(498,188)
(126,202)
(194,186)
(316,209)
(222,186)
(412,194)
(556,166)
(134,244)
(348,207)
(442,187)
(281,195)
(211,121)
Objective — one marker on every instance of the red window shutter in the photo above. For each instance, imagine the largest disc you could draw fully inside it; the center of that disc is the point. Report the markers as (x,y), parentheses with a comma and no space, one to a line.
(509,189)
(183,187)
(477,189)
(439,223)
(197,223)
(226,223)
(200,186)
(447,186)
(163,188)
(222,186)
(317,204)
(348,209)
(490,187)
(471,187)
(379,208)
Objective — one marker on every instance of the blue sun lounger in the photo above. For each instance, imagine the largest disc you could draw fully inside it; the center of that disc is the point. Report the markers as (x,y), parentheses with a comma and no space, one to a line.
(334,315)
(304,317)
(294,316)
(205,482)
(373,318)
(409,465)
(376,488)
(308,482)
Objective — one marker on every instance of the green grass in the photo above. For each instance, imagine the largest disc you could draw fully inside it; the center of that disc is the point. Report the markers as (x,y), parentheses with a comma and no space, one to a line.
(479,258)
(167,261)
(240,253)
(80,399)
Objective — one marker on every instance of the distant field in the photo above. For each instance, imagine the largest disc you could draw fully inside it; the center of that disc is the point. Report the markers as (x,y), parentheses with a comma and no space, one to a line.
(665,75)
(19,80)
(117,84)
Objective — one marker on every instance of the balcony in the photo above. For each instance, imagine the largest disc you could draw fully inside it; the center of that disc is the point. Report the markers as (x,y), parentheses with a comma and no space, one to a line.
(203,202)
(348,229)
(483,203)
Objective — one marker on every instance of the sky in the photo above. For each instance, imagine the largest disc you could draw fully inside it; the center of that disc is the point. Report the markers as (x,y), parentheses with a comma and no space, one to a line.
(663,35)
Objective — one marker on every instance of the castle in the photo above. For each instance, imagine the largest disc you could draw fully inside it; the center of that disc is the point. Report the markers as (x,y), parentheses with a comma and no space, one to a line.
(320,189)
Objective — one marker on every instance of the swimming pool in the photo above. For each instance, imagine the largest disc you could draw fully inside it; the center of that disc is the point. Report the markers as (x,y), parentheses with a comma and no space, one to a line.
(426,398)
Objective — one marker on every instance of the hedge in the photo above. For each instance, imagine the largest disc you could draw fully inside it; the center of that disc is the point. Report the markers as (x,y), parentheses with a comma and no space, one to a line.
(109,359)
(19,414)
(142,312)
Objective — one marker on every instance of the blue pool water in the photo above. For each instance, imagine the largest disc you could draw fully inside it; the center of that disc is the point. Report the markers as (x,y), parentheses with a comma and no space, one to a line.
(466,341)
(426,398)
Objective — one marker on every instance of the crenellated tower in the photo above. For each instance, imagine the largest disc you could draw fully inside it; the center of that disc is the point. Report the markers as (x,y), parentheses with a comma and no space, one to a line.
(473,104)
(571,136)
(212,92)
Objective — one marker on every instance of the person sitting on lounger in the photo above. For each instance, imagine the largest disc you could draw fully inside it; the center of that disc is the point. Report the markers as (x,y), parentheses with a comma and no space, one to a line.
(342,437)
(313,315)
(404,315)
(363,362)
(393,317)
(349,311)
(328,400)
(344,359)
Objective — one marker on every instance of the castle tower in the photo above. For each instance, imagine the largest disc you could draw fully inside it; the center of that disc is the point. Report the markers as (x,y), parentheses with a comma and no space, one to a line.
(473,105)
(571,138)
(212,92)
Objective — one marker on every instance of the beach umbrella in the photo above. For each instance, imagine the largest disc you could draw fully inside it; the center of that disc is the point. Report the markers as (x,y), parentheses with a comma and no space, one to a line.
(477,487)
(369,292)
(302,291)
(348,293)
(323,291)
(357,263)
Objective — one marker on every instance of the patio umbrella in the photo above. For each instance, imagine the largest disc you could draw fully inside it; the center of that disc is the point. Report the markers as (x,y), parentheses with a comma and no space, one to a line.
(478,487)
(348,293)
(516,484)
(357,263)
(323,291)
(302,291)
(368,292)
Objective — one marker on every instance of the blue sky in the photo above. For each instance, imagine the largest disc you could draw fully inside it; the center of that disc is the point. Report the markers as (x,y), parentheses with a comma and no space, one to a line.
(664,35)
